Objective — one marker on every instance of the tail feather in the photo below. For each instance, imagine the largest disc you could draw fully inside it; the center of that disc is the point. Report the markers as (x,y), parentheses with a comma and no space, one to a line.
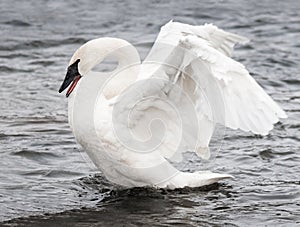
(196,179)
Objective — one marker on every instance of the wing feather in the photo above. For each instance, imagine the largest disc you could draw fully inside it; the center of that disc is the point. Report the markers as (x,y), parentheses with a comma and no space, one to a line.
(197,58)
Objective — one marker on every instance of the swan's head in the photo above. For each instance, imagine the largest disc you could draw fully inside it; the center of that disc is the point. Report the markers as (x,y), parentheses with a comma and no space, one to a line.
(72,77)
(92,53)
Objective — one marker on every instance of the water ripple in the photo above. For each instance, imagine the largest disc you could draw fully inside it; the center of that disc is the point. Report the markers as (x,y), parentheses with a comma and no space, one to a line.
(44,173)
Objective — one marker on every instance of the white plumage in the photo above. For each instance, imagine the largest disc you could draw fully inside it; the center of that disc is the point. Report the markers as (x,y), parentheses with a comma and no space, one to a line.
(135,119)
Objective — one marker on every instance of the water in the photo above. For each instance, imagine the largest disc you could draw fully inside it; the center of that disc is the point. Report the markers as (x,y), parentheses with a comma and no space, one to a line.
(43,173)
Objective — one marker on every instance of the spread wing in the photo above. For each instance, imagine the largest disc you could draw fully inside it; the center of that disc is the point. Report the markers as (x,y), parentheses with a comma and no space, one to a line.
(190,66)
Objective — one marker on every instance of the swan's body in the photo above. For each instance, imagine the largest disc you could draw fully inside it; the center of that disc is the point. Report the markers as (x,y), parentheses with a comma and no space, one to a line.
(188,81)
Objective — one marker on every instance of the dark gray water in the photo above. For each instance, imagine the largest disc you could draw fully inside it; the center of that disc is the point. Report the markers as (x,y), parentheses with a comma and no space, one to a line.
(43,173)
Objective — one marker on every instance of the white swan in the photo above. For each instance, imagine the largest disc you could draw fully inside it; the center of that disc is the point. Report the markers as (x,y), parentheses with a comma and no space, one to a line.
(134,120)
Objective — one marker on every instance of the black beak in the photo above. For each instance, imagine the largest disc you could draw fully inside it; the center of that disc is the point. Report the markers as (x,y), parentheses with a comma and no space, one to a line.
(71,75)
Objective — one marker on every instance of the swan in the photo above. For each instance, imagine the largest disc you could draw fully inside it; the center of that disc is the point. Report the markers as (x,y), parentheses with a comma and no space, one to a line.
(136,121)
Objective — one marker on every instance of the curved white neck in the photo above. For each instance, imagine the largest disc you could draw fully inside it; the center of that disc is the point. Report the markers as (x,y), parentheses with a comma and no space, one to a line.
(83,98)
(94,51)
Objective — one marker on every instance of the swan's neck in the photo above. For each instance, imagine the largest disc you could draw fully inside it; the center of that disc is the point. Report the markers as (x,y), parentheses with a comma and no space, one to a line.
(82,100)
(95,51)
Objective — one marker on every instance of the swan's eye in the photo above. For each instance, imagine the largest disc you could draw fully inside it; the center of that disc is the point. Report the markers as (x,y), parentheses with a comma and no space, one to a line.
(74,66)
